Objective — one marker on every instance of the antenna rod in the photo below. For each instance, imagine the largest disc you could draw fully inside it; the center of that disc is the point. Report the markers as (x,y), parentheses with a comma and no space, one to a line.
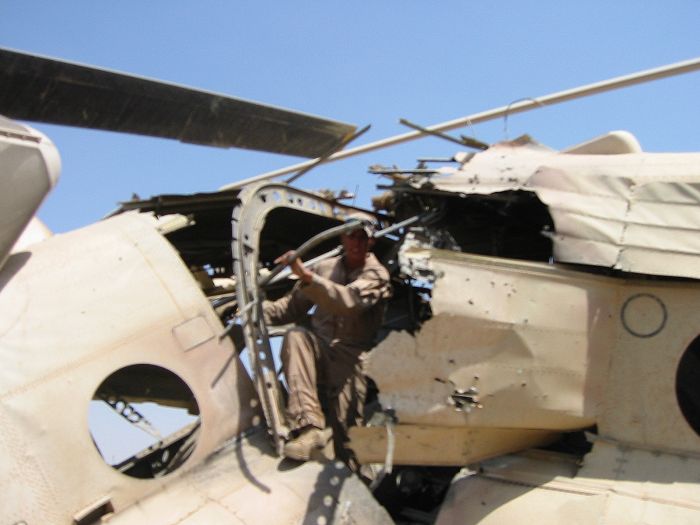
(670,70)
(321,160)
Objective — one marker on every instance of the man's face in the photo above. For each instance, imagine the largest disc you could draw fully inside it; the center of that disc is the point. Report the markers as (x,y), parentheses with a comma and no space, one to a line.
(355,244)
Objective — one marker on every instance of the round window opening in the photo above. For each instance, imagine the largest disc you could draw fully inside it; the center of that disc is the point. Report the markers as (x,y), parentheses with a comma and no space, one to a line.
(687,381)
(144,421)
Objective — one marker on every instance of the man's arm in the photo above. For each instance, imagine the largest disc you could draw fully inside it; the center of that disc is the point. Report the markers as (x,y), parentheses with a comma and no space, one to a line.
(292,307)
(288,309)
(370,287)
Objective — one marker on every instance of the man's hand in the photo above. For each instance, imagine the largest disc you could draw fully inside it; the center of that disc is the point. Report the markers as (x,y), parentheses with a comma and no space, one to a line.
(296,266)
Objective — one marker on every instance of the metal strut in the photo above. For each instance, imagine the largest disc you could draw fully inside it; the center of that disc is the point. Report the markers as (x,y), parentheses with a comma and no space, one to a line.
(125,409)
(247,222)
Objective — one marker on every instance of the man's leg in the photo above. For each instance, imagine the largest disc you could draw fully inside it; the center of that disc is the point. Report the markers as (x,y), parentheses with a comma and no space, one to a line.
(345,405)
(300,353)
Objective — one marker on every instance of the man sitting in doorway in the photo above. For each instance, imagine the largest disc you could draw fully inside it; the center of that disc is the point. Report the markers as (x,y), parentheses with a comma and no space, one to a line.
(323,365)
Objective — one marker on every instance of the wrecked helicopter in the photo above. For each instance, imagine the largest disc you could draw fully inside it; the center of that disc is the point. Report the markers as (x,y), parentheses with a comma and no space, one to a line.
(538,357)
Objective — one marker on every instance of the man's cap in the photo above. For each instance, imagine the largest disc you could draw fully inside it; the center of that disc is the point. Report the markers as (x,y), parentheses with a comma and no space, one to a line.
(369,223)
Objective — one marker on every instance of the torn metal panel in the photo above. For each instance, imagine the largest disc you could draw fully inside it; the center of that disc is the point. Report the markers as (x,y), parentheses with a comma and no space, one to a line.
(530,345)
(603,206)
(529,338)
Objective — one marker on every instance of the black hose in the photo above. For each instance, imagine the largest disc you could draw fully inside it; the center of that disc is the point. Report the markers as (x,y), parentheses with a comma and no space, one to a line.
(349,226)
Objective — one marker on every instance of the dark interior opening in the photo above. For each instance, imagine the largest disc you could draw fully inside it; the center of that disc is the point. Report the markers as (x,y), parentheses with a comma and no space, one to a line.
(144,420)
(688,385)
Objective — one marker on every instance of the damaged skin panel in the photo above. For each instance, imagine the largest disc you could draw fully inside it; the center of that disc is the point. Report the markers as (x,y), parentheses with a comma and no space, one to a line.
(518,344)
(511,344)
(414,260)
(635,212)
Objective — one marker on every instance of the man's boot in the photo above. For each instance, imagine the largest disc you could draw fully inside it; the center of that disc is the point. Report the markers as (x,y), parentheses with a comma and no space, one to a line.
(307,441)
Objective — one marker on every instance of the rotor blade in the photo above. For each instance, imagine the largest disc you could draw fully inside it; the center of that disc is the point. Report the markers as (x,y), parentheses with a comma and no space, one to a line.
(517,107)
(56,92)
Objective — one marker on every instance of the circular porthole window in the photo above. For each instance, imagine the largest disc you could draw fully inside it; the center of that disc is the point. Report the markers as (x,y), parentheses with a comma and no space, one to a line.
(687,381)
(144,421)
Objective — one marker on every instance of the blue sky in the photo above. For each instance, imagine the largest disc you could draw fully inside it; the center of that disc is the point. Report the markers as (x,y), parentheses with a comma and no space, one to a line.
(359,62)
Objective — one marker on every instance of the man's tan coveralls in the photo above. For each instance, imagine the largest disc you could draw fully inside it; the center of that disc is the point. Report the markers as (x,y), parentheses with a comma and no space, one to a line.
(323,366)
